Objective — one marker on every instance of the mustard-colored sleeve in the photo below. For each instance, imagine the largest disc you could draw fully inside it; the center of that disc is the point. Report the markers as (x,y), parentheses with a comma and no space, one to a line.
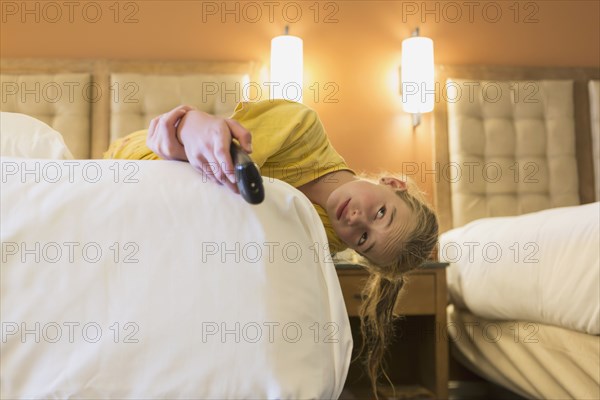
(131,147)
(274,124)
(289,141)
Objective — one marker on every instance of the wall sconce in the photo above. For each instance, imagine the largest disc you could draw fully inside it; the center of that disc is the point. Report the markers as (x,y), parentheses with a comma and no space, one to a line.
(418,90)
(286,67)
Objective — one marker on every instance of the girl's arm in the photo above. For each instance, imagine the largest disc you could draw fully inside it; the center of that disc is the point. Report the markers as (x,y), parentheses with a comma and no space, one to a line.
(162,135)
(201,139)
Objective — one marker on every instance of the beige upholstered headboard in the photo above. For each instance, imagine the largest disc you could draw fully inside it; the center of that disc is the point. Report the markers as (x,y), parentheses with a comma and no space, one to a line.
(60,99)
(141,97)
(511,140)
(594,88)
(92,102)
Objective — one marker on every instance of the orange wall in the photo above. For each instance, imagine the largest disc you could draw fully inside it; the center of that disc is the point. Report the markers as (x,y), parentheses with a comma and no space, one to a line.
(353,44)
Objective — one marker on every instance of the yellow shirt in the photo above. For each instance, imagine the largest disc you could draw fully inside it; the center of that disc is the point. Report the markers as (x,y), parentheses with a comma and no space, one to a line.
(289,143)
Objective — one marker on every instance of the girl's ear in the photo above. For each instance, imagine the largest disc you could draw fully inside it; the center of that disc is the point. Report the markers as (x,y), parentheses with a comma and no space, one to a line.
(393,182)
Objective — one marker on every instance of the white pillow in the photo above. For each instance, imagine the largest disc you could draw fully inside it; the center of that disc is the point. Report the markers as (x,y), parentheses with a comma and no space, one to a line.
(26,137)
(541,267)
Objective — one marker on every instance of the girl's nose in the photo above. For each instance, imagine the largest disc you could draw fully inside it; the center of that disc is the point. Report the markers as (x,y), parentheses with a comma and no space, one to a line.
(354,217)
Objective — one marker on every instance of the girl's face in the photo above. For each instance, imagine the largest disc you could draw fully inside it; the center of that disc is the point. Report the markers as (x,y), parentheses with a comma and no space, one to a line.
(371,219)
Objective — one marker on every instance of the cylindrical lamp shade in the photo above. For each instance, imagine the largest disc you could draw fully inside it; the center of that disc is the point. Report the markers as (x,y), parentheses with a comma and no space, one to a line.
(286,68)
(418,93)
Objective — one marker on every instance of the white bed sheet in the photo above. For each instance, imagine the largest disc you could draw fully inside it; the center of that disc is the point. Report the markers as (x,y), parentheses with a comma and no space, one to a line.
(131,280)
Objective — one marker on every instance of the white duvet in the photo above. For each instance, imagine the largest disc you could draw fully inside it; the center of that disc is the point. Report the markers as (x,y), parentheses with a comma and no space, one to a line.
(541,267)
(135,280)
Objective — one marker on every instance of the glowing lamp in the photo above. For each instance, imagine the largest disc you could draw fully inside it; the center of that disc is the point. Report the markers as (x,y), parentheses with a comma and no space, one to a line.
(286,67)
(417,76)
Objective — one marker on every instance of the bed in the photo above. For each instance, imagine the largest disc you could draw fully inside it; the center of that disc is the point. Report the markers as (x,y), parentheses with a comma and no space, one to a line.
(120,279)
(517,194)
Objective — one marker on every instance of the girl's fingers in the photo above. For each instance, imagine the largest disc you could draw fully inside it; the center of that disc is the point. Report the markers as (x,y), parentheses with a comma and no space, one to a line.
(241,134)
(162,137)
(199,166)
(152,127)
(223,155)
(211,169)
(225,172)
(175,115)
(231,185)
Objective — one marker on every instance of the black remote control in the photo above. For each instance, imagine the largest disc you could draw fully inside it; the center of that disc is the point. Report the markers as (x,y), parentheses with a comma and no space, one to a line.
(247,175)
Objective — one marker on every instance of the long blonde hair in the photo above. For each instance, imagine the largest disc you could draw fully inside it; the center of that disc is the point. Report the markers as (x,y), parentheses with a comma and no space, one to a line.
(385,282)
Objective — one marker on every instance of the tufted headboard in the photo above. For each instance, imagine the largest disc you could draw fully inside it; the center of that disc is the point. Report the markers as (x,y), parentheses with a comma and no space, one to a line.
(58,99)
(594,88)
(511,140)
(92,102)
(144,96)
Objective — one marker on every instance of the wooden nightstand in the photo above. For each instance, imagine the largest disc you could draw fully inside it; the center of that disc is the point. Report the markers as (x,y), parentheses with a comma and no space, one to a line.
(417,361)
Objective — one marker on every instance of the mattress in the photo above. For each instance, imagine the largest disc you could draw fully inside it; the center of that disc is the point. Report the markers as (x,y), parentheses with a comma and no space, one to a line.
(532,359)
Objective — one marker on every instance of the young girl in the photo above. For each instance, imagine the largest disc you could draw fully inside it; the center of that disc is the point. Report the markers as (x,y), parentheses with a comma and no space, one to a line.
(386,221)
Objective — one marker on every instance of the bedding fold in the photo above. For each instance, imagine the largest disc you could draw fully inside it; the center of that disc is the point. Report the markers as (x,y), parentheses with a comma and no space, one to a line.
(142,279)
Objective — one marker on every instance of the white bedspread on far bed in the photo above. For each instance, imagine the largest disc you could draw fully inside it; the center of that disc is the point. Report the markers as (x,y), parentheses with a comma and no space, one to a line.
(134,280)
(541,267)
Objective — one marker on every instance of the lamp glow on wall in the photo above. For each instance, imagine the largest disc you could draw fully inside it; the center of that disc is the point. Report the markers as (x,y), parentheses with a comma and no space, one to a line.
(286,67)
(417,76)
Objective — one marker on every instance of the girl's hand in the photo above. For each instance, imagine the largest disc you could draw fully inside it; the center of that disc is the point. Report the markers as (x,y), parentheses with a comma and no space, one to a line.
(207,139)
(162,135)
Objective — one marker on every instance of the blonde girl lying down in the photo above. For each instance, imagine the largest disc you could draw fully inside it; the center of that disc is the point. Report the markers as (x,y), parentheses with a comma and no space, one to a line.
(384,221)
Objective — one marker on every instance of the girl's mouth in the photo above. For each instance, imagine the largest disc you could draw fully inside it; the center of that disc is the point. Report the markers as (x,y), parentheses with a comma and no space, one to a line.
(341,209)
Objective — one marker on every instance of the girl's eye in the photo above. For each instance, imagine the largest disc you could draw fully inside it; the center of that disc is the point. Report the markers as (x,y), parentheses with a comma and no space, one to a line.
(362,239)
(381,212)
